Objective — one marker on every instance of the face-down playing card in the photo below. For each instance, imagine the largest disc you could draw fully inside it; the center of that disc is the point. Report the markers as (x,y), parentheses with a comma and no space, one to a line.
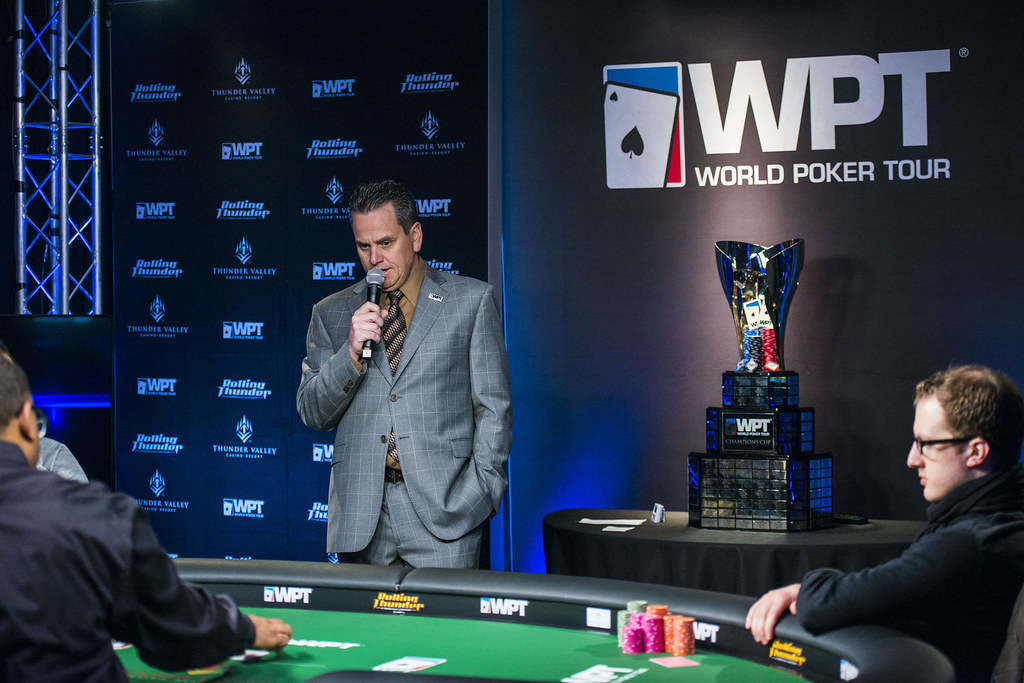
(638,129)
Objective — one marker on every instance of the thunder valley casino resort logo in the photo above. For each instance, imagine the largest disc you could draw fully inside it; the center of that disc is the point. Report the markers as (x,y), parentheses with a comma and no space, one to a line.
(643,119)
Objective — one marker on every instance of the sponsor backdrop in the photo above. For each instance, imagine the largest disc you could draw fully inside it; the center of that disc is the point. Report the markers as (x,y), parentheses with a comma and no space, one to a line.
(239,130)
(884,134)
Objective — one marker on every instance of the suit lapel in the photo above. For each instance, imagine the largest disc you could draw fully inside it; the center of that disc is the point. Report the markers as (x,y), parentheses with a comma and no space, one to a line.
(433,294)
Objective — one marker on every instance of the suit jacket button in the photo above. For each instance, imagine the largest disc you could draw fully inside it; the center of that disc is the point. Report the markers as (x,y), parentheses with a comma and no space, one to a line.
(394,398)
(383,439)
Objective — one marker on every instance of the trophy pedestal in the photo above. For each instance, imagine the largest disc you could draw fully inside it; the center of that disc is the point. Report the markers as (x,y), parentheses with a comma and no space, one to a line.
(760,472)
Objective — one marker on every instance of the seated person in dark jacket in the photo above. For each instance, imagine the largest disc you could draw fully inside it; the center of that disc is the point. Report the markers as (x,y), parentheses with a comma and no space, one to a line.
(956,584)
(80,565)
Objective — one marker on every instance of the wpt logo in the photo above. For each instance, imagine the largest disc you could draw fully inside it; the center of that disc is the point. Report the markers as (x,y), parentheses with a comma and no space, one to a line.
(157,310)
(154,210)
(429,125)
(240,507)
(243,72)
(233,329)
(339,87)
(323,452)
(241,150)
(157,484)
(156,386)
(748,426)
(288,594)
(643,114)
(433,208)
(338,270)
(334,190)
(243,430)
(243,251)
(707,633)
(503,606)
(156,133)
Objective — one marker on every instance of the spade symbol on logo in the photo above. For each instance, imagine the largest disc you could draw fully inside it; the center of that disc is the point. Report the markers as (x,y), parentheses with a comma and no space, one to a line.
(633,144)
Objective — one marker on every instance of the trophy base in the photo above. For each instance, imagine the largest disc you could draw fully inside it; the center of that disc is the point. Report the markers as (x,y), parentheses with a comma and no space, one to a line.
(760,492)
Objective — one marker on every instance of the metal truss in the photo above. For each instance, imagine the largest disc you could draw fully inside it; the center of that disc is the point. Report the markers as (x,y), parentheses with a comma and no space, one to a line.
(57,144)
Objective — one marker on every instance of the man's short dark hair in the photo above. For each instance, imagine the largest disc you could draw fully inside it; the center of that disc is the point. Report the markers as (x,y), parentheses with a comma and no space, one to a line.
(979,401)
(14,390)
(373,195)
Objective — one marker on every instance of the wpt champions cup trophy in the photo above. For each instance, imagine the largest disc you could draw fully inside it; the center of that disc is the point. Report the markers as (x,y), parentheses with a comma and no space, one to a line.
(760,471)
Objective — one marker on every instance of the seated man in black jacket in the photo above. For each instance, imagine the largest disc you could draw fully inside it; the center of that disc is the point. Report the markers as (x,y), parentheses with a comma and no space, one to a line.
(80,565)
(955,585)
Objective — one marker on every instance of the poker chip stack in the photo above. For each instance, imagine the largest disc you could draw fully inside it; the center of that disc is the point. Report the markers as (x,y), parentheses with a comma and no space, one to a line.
(760,471)
(653,629)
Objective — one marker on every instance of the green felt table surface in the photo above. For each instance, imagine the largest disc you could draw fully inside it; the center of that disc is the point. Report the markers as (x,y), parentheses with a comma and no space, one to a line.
(330,641)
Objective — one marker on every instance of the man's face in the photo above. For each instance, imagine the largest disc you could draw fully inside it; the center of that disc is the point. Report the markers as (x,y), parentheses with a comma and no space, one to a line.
(942,467)
(383,244)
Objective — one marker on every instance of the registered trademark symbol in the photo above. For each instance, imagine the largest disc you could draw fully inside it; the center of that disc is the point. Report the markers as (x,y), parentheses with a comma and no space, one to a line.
(964,52)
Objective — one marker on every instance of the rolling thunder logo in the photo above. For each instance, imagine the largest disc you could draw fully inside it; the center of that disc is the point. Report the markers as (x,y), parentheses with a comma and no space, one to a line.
(643,119)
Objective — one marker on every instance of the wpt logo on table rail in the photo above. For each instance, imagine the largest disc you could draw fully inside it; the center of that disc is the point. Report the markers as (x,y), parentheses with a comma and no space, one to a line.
(289,594)
(643,115)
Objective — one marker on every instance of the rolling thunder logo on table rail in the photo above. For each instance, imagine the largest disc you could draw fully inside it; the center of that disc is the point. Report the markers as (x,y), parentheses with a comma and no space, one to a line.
(643,119)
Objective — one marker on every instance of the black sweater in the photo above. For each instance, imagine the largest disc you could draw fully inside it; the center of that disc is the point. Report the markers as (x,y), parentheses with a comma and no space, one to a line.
(954,586)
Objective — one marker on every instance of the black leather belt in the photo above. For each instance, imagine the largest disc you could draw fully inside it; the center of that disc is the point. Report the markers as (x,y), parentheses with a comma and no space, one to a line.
(392,475)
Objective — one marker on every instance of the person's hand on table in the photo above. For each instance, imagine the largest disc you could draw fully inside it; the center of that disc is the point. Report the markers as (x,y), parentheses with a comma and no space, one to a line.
(271,634)
(769,608)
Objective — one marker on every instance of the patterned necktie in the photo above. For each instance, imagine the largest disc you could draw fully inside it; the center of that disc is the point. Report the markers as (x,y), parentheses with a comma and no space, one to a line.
(393,334)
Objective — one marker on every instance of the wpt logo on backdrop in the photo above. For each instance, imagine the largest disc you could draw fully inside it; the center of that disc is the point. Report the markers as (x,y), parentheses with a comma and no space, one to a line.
(156,386)
(323,452)
(241,151)
(338,270)
(243,430)
(643,115)
(433,208)
(339,87)
(241,507)
(429,125)
(154,211)
(236,329)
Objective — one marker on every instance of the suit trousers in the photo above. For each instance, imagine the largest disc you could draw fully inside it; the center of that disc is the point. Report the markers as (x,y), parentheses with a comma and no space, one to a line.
(400,539)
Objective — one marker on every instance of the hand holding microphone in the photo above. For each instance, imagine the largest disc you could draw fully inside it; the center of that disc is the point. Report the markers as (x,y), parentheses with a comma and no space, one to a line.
(374,280)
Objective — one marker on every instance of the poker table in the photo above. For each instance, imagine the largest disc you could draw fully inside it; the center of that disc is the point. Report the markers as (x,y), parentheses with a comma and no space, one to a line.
(741,562)
(355,623)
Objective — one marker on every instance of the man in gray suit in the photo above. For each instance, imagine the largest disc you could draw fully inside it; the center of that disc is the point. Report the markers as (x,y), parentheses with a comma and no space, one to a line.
(422,440)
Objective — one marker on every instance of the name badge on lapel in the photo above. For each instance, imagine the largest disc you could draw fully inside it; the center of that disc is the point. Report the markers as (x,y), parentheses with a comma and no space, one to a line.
(435,297)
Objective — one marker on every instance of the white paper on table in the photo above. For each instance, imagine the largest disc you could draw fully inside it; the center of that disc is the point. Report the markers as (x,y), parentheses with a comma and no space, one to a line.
(618,522)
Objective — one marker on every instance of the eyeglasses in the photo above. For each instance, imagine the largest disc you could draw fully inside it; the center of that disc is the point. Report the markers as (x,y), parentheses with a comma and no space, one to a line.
(936,442)
(42,421)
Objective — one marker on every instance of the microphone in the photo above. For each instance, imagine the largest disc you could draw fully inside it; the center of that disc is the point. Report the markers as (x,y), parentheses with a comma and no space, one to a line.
(374,279)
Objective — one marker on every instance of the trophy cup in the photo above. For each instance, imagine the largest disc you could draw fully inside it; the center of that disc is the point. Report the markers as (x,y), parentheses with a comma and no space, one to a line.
(760,471)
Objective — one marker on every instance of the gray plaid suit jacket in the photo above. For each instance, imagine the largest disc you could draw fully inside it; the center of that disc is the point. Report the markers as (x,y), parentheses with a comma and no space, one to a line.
(449,404)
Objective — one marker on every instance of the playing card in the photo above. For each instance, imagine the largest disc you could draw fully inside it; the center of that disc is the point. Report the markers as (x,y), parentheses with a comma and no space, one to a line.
(638,128)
